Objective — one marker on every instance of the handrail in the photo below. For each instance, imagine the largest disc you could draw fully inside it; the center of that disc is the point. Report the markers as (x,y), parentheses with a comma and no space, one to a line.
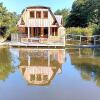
(72,37)
(81,35)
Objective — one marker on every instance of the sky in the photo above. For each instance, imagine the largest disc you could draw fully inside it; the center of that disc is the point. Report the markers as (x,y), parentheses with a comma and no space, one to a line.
(19,5)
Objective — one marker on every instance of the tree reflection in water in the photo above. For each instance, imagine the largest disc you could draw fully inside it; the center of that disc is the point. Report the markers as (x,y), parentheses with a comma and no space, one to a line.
(5,63)
(39,67)
(87,61)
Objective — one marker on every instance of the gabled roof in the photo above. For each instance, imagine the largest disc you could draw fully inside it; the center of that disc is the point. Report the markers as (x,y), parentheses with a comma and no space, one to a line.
(57,18)
(35,7)
(42,7)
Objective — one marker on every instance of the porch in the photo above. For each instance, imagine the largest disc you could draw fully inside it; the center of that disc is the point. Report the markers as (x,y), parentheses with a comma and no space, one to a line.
(39,36)
(38,32)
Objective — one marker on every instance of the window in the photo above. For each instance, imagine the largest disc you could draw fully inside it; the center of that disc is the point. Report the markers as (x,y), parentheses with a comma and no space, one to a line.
(32,14)
(54,31)
(45,14)
(38,14)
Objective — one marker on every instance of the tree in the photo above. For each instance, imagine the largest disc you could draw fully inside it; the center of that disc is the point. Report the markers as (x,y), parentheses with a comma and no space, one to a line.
(78,16)
(8,21)
(13,18)
(83,13)
(64,12)
(94,11)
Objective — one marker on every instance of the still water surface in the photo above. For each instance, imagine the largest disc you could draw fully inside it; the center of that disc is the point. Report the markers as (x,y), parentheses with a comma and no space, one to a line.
(54,74)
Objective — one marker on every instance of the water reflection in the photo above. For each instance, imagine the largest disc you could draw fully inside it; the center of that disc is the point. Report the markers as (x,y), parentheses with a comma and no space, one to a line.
(73,78)
(87,61)
(40,66)
(5,63)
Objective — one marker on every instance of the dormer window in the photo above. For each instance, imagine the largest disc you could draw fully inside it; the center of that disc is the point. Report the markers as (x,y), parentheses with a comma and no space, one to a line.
(45,14)
(38,14)
(32,14)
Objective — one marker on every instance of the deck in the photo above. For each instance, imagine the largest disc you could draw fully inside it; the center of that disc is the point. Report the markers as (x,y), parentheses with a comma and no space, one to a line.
(28,44)
(53,41)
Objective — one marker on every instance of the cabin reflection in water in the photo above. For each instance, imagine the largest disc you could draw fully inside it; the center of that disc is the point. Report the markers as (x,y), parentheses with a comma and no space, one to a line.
(40,66)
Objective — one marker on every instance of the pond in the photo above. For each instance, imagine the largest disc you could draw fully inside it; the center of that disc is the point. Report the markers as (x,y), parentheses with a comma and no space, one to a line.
(49,74)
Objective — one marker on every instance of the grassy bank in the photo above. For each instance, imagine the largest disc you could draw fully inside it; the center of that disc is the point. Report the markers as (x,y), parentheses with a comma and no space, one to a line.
(88,32)
(2,39)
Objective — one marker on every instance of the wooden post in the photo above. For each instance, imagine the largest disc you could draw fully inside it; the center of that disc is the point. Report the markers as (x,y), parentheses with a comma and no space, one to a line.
(42,31)
(94,40)
(54,31)
(80,39)
(51,31)
(32,31)
(48,32)
(28,32)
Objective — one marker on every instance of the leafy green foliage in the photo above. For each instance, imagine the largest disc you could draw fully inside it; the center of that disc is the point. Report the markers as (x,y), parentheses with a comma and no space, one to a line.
(83,13)
(8,21)
(65,13)
(79,31)
(97,30)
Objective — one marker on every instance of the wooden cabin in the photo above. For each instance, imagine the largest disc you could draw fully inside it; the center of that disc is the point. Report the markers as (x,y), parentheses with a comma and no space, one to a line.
(38,24)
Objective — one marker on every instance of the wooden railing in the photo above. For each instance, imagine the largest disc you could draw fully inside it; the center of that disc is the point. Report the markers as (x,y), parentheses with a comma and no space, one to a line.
(82,40)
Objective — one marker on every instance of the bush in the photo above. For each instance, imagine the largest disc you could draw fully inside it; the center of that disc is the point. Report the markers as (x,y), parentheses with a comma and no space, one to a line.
(96,30)
(79,31)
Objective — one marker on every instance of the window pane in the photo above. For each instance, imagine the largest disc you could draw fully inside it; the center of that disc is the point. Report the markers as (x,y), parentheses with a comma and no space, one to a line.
(32,14)
(38,14)
(45,14)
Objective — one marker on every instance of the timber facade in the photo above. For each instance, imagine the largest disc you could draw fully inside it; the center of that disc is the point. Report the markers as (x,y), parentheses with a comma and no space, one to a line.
(38,24)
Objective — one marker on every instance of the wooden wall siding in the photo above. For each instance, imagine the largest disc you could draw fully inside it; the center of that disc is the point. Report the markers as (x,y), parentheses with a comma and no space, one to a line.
(22,22)
(21,29)
(34,22)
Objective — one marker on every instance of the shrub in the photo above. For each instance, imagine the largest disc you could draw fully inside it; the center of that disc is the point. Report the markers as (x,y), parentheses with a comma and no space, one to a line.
(96,30)
(79,31)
